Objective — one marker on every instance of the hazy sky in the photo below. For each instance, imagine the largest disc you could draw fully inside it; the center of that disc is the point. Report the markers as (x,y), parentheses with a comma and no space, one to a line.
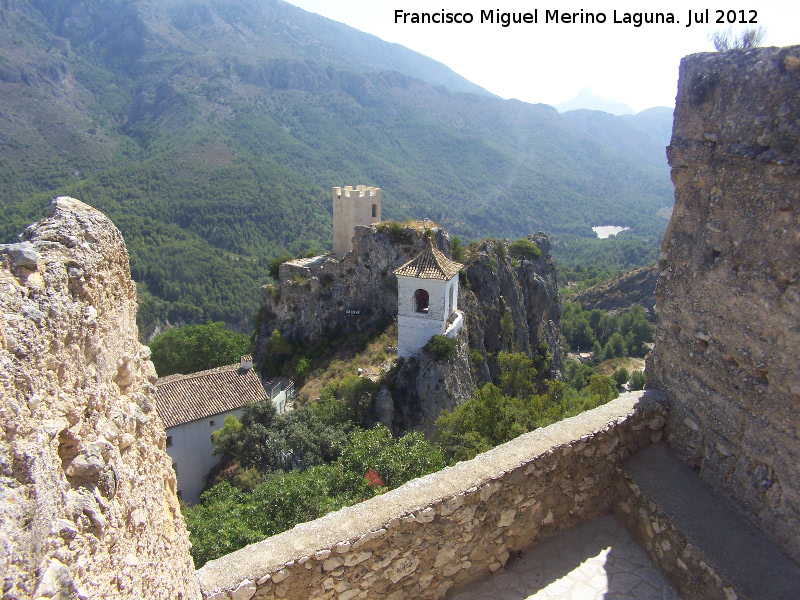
(551,62)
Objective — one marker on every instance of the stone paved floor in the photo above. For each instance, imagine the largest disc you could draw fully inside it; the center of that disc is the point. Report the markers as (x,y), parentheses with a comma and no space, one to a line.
(597,561)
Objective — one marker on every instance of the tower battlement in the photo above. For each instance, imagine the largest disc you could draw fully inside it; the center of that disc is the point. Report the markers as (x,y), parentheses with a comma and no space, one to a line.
(360,191)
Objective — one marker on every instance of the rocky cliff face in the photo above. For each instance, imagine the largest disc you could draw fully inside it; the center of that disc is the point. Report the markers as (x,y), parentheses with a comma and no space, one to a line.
(323,296)
(620,293)
(728,333)
(423,386)
(526,290)
(87,494)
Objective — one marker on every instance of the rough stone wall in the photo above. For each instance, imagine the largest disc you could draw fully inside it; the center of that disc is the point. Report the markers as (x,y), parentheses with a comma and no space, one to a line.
(452,527)
(728,332)
(87,493)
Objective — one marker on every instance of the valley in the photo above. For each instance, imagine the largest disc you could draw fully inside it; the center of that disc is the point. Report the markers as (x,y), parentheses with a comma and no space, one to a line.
(211,132)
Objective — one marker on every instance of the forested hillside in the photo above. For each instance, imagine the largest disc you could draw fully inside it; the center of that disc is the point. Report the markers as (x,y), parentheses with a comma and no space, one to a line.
(211,132)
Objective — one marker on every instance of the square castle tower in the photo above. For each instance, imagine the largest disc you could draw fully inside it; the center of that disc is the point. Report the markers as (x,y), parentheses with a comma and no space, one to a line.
(351,207)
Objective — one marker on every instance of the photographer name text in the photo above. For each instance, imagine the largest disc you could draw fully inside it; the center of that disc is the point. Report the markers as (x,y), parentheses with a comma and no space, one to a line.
(583,17)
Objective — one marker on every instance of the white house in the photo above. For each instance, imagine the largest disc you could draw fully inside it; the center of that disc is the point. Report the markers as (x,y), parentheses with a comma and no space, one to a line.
(427,300)
(193,406)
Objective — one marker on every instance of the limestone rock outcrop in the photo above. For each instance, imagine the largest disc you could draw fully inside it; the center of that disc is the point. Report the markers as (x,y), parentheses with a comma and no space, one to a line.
(87,493)
(425,385)
(321,296)
(728,332)
(622,292)
(526,290)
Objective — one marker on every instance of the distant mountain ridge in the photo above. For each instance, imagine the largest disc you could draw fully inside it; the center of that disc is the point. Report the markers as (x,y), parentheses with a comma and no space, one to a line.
(588,100)
(211,132)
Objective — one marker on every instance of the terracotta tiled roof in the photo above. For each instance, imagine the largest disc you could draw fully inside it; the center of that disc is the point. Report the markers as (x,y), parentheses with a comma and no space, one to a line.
(184,398)
(430,264)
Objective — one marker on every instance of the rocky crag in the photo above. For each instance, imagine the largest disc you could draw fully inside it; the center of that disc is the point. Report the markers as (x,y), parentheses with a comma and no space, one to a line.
(728,333)
(621,292)
(324,296)
(527,290)
(87,495)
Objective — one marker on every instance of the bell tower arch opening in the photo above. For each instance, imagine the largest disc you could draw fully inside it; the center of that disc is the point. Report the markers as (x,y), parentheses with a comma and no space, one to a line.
(421,301)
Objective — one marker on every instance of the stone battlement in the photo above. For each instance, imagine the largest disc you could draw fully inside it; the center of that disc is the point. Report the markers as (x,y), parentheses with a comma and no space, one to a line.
(360,191)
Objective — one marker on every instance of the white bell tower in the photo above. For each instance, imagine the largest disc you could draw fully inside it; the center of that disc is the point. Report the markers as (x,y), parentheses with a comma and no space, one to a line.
(427,300)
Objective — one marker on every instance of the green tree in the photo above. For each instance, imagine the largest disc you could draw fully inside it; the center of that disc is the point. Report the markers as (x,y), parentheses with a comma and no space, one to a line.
(602,388)
(457,250)
(577,374)
(621,377)
(396,460)
(524,249)
(638,331)
(518,374)
(637,381)
(271,442)
(196,348)
(507,330)
(356,393)
(615,347)
(487,419)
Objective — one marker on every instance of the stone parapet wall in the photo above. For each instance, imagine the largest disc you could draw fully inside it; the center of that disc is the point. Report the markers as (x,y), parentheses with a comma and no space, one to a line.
(452,527)
(728,332)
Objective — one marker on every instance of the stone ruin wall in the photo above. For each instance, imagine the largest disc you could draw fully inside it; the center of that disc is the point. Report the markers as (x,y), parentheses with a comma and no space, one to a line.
(453,527)
(87,493)
(727,346)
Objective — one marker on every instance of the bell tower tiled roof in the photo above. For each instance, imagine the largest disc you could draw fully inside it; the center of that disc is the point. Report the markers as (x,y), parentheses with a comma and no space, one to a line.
(430,264)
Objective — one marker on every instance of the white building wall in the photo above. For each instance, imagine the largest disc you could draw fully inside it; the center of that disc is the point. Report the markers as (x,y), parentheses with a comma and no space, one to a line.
(406,286)
(192,452)
(415,329)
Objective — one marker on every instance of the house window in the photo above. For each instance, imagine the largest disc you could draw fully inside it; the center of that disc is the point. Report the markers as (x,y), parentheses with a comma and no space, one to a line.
(211,423)
(169,441)
(421,301)
(374,210)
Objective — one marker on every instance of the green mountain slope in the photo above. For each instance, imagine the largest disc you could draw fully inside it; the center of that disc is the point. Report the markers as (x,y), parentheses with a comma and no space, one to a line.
(211,132)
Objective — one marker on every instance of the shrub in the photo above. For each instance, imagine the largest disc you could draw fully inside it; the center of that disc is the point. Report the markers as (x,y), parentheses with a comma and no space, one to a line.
(507,329)
(441,346)
(396,232)
(621,376)
(724,40)
(524,249)
(637,381)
